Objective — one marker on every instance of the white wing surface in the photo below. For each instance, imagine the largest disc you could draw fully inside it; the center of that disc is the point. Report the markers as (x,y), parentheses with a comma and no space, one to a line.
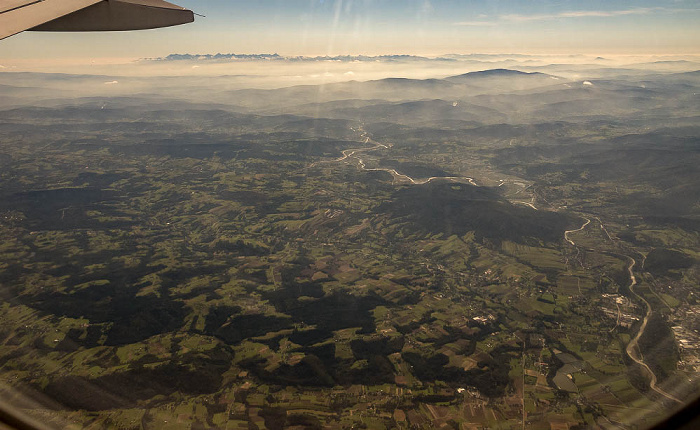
(88,15)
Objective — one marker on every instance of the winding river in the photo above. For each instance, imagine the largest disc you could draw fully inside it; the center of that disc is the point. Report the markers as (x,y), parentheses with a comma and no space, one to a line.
(354,153)
(632,348)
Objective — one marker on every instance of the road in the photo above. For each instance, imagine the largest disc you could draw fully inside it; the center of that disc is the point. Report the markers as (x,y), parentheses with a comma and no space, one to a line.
(602,227)
(619,314)
(530,203)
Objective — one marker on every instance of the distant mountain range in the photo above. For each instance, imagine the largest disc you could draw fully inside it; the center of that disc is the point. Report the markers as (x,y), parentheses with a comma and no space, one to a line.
(300,58)
(391,57)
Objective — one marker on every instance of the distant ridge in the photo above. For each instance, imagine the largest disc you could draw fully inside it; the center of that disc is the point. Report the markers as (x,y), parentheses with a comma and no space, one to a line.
(494,73)
(300,58)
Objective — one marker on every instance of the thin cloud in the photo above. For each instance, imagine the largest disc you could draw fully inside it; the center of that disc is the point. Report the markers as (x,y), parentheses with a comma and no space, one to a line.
(476,23)
(573,15)
(588,14)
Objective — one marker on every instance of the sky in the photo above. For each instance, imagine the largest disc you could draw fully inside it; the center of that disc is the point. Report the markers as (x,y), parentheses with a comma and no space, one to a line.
(372,27)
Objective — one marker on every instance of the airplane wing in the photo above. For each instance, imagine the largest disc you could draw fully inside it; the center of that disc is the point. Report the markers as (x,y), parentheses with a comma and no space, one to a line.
(88,15)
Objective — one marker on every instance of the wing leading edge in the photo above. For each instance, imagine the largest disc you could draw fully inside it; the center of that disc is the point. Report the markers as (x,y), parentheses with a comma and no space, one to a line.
(88,15)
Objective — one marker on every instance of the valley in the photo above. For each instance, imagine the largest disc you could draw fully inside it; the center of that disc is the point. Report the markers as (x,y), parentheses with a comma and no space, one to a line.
(494,249)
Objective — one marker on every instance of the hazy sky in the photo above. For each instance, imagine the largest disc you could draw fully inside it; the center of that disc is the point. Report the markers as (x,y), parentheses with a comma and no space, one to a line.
(425,27)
